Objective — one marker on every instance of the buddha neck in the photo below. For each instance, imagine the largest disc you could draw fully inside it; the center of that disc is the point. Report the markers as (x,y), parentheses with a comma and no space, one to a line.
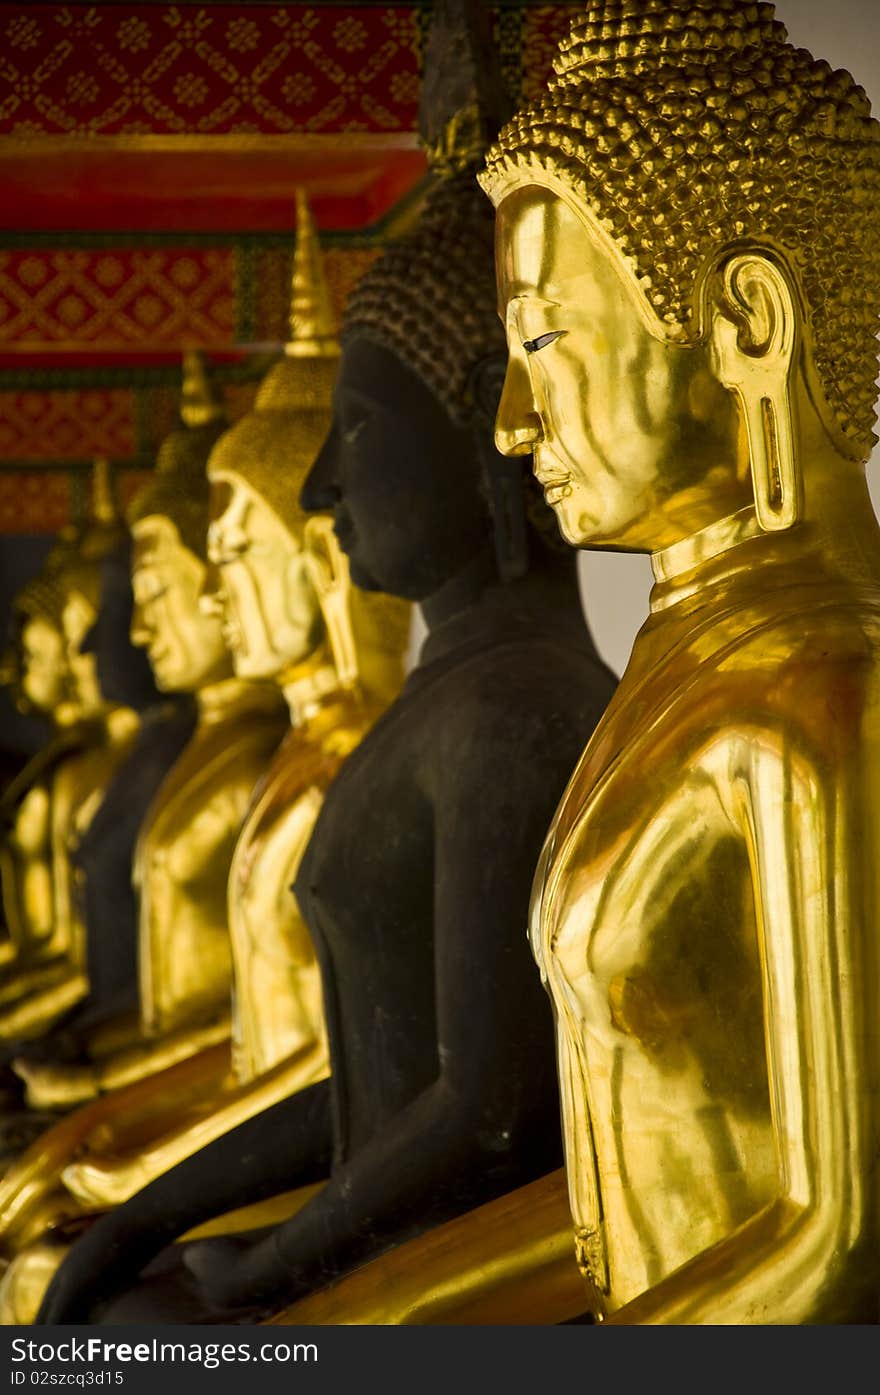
(218,702)
(460,591)
(120,723)
(66,715)
(307,684)
(837,538)
(476,604)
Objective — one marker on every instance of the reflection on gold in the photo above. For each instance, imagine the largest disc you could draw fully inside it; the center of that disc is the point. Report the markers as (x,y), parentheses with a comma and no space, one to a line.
(49,807)
(289,614)
(508,1262)
(705,910)
(185,846)
(279,595)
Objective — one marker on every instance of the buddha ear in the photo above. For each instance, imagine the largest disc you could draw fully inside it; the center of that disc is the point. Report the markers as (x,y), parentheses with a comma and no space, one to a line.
(327,569)
(752,342)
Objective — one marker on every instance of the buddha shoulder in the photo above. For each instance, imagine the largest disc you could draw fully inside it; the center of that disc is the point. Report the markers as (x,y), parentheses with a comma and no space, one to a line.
(525,704)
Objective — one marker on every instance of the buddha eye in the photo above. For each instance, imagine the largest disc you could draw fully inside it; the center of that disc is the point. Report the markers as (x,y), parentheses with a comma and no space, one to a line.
(232,550)
(532,346)
(149,595)
(351,433)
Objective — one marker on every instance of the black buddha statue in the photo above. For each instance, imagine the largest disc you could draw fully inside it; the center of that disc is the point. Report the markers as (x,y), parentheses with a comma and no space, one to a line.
(415,884)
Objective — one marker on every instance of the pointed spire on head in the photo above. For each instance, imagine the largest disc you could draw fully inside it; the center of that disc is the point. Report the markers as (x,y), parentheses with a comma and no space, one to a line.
(463,102)
(104,507)
(312,322)
(200,402)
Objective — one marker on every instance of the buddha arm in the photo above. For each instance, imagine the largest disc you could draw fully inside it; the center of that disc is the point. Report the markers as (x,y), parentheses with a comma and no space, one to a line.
(146,1106)
(51,1086)
(809,1255)
(39,1011)
(112,1177)
(287,1145)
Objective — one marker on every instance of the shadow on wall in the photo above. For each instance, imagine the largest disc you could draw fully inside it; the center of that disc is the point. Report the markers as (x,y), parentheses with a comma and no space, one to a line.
(20,560)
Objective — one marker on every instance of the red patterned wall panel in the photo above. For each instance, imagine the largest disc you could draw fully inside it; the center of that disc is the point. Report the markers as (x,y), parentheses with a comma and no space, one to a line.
(34,503)
(56,425)
(117,298)
(543,26)
(208,70)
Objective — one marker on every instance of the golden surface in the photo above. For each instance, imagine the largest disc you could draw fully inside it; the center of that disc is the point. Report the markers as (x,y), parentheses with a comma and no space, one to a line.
(50,805)
(273,1211)
(184,854)
(705,909)
(185,846)
(25,1281)
(508,1262)
(285,608)
(31,1194)
(285,603)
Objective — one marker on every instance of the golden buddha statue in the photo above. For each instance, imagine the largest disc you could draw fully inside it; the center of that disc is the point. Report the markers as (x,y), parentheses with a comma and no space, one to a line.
(49,809)
(689,272)
(416,879)
(184,850)
(38,676)
(291,616)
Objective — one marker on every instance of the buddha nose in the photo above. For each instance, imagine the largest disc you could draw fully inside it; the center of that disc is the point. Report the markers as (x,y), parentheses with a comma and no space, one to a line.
(517,425)
(210,601)
(320,490)
(138,632)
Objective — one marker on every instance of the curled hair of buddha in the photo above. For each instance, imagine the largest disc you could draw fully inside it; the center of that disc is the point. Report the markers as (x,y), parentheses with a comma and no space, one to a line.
(41,598)
(272,449)
(685,126)
(77,558)
(179,489)
(430,299)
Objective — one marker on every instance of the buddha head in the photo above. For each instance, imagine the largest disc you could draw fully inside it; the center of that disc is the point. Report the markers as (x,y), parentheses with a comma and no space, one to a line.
(282,587)
(271,615)
(55,615)
(77,566)
(687,240)
(399,467)
(409,468)
(35,665)
(122,669)
(169,526)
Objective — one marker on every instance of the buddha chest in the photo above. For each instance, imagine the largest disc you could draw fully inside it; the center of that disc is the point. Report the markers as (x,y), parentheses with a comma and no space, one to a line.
(182,866)
(681,835)
(278,1005)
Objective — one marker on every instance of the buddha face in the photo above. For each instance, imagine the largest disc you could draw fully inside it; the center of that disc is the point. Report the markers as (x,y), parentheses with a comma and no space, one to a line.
(78,617)
(184,645)
(270,613)
(635,441)
(400,478)
(43,664)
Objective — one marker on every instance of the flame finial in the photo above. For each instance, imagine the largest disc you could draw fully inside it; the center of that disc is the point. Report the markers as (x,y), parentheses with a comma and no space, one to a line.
(312,322)
(200,402)
(105,506)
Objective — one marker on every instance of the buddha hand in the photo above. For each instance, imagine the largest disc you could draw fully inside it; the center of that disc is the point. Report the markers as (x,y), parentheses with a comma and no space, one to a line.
(238,1271)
